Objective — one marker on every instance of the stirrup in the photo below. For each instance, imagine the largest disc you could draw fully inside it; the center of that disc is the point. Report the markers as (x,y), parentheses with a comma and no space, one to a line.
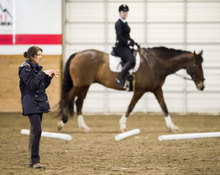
(121,84)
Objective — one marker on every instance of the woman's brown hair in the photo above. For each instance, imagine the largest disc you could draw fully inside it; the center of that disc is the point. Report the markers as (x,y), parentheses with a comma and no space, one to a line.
(32,51)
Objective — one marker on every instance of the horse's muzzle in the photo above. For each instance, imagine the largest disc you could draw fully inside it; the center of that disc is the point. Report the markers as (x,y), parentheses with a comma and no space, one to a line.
(200,85)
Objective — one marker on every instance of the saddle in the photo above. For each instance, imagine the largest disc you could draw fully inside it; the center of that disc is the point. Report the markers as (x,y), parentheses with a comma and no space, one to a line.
(116,64)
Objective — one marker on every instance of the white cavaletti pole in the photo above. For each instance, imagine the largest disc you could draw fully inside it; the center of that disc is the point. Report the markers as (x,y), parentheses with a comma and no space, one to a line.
(49,135)
(189,136)
(127,134)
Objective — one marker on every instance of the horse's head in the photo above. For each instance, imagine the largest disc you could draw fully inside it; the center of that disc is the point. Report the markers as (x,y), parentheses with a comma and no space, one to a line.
(194,69)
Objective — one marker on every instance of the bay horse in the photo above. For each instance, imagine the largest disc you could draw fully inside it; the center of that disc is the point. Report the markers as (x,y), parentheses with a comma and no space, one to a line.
(92,66)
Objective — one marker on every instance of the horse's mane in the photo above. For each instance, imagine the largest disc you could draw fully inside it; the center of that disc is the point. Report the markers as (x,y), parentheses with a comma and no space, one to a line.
(166,53)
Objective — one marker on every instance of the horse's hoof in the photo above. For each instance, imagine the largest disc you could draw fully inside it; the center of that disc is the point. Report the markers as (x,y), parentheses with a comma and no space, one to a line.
(87,130)
(175,129)
(123,130)
(60,126)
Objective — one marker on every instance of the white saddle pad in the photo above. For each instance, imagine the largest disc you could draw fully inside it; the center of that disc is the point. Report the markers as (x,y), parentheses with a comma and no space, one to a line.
(115,66)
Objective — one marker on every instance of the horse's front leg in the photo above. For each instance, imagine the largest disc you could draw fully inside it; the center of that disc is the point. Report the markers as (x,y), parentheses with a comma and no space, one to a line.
(122,122)
(159,96)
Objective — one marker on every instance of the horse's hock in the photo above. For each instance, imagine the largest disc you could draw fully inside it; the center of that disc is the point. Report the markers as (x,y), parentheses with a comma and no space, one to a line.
(10,97)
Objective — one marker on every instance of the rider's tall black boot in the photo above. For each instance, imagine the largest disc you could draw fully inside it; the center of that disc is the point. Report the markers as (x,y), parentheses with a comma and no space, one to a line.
(121,80)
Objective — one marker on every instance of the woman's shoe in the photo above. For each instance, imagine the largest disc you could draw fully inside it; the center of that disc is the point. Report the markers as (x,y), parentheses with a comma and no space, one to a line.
(39,166)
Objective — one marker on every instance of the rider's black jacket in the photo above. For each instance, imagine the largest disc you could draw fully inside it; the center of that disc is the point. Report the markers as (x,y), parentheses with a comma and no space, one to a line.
(122,34)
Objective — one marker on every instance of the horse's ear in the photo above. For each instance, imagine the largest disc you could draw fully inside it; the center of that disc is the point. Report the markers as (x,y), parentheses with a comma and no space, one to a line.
(201,52)
(194,53)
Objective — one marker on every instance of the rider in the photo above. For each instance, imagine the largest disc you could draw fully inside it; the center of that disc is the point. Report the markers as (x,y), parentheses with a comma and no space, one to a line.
(123,41)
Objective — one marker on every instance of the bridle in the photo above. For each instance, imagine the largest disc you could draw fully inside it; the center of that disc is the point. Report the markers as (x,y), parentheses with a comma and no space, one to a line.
(193,75)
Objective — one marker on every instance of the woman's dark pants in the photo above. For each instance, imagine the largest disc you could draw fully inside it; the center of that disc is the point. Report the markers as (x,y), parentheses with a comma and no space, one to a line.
(35,120)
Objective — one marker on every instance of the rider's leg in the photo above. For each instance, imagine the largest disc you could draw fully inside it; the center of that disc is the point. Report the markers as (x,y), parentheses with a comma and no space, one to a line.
(126,54)
(124,72)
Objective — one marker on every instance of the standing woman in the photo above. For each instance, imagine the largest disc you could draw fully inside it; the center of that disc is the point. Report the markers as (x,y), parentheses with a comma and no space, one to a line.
(123,41)
(33,82)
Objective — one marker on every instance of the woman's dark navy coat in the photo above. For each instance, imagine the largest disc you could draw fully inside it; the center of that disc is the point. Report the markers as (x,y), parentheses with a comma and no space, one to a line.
(33,82)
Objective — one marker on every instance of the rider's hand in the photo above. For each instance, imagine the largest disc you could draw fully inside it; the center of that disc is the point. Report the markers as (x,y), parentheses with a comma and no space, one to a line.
(131,42)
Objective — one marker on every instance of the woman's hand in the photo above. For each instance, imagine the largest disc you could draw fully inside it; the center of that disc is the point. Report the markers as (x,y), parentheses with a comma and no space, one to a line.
(52,73)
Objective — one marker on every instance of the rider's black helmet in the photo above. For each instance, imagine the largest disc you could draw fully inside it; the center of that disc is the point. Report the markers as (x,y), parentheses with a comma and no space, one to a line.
(123,7)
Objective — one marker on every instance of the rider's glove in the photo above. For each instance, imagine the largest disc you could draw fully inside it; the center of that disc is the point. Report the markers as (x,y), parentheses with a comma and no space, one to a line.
(130,42)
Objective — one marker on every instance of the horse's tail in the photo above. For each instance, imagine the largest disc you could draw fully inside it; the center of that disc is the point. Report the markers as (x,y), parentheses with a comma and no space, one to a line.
(67,85)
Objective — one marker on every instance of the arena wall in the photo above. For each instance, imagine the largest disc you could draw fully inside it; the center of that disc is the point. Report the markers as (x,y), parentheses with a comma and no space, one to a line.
(10,97)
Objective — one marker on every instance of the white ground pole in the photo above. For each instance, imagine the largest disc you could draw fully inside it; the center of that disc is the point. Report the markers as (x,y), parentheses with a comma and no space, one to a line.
(127,134)
(189,136)
(49,135)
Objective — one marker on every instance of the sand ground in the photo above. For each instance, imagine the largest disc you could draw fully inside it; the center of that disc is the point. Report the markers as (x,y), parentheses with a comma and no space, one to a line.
(98,153)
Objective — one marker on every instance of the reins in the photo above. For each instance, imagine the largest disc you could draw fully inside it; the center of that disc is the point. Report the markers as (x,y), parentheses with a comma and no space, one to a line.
(182,76)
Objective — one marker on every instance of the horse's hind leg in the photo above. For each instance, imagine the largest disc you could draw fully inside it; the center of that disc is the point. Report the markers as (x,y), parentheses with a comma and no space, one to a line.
(64,119)
(66,106)
(79,105)
(159,96)
(122,122)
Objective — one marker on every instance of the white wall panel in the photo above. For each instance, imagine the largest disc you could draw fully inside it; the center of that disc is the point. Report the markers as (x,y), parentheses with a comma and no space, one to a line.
(111,33)
(157,12)
(206,11)
(162,33)
(204,102)
(174,101)
(203,33)
(137,32)
(85,12)
(94,102)
(81,33)
(122,100)
(152,104)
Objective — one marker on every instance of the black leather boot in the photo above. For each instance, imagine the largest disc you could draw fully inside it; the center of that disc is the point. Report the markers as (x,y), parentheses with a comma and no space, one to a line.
(121,80)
